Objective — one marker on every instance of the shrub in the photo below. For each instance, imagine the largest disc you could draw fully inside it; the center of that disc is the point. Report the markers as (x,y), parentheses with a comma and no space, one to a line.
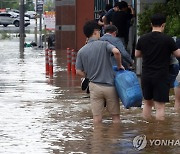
(4,35)
(172,11)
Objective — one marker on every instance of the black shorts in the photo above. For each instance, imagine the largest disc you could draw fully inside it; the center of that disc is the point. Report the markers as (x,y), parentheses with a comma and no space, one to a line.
(156,89)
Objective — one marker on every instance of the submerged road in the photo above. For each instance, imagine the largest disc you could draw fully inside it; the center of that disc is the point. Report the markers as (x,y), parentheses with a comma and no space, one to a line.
(39,115)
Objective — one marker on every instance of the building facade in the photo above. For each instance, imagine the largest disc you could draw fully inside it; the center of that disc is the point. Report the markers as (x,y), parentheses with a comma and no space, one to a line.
(70,18)
(72,14)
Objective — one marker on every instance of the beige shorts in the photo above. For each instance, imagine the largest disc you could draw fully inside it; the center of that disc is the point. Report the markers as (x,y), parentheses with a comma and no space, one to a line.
(100,94)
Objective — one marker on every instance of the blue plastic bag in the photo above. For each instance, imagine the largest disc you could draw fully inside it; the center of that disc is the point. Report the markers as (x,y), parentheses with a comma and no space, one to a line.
(128,88)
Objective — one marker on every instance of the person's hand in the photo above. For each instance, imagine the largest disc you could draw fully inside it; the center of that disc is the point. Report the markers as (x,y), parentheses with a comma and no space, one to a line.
(121,67)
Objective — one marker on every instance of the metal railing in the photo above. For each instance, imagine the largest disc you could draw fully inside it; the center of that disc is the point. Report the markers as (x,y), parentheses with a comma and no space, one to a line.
(99,5)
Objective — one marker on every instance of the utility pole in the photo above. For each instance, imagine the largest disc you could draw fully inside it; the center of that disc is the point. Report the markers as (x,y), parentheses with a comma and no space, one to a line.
(21,27)
(35,28)
(39,9)
(40,31)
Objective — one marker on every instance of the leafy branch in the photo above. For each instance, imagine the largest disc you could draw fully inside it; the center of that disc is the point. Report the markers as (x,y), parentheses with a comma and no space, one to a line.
(172,11)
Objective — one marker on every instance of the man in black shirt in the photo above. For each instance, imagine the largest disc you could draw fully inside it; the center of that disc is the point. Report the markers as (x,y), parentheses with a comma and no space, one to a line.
(155,48)
(107,18)
(121,19)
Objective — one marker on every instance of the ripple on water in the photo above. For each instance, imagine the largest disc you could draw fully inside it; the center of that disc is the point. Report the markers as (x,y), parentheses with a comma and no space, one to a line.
(39,115)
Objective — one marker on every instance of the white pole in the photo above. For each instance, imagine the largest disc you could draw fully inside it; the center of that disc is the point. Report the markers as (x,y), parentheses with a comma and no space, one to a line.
(139,60)
(40,31)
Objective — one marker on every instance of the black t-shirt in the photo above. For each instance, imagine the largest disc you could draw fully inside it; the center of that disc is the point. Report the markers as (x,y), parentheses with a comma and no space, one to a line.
(121,20)
(156,49)
(109,15)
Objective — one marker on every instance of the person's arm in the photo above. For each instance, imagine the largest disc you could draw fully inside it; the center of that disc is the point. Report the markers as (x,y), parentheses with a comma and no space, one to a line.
(138,53)
(124,54)
(126,57)
(131,10)
(117,56)
(79,66)
(80,73)
(100,23)
(104,19)
(176,53)
(106,16)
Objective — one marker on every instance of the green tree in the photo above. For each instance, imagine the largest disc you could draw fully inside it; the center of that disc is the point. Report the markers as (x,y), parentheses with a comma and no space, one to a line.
(9,4)
(14,4)
(29,5)
(49,5)
(172,11)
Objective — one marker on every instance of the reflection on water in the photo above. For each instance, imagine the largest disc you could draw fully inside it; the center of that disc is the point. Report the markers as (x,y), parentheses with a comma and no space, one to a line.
(39,115)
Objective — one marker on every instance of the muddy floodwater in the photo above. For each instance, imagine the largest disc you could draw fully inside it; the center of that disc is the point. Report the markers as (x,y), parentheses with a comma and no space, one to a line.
(40,115)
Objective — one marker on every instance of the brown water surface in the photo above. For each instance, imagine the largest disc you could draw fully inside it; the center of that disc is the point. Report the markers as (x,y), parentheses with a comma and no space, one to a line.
(39,115)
